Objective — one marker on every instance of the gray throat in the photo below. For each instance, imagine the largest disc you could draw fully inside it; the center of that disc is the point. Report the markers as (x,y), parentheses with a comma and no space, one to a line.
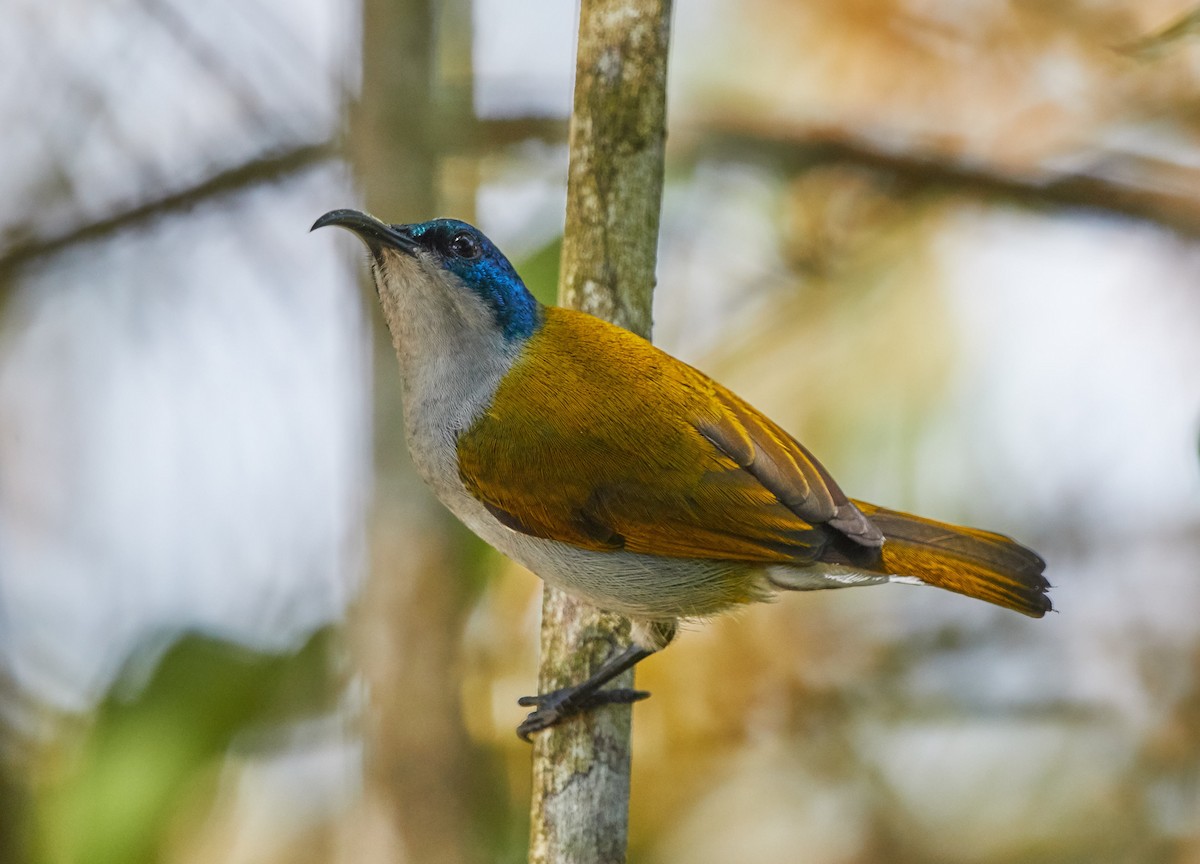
(452,358)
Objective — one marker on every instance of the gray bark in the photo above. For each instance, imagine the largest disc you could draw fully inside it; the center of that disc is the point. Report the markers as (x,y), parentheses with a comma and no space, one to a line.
(580,805)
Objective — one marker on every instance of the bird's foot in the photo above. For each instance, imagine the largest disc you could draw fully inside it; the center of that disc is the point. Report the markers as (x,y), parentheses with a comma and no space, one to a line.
(558,705)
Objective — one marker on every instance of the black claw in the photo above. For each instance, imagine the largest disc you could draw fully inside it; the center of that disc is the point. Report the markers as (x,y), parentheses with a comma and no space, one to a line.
(558,705)
(535,722)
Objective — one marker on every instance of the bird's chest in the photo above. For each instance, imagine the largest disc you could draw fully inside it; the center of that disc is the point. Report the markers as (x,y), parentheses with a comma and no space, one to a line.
(433,426)
(441,401)
(532,439)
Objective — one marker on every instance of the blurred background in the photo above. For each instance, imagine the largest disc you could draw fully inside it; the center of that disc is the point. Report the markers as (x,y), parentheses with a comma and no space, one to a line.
(954,247)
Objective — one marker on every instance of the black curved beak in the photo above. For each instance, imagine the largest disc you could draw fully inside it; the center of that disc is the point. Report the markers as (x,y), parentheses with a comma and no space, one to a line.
(370,230)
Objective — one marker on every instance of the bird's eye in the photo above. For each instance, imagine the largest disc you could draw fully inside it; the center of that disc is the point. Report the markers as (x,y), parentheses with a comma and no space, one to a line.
(463,245)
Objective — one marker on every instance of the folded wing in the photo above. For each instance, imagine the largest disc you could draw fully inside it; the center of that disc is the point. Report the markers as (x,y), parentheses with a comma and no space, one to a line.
(650,456)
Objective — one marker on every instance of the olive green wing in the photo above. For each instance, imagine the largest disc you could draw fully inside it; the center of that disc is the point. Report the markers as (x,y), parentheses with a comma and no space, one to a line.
(647,454)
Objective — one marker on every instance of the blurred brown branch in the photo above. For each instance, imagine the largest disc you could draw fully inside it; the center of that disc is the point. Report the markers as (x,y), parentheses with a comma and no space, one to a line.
(267,168)
(1168,38)
(1121,184)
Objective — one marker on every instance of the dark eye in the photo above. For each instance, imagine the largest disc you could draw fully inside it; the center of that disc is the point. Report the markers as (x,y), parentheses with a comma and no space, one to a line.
(463,245)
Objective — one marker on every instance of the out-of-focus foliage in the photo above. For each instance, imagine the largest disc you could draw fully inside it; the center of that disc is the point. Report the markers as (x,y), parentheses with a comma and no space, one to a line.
(151,754)
(952,246)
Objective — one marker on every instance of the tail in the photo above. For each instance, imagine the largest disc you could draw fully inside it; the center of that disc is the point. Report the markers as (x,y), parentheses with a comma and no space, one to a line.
(976,563)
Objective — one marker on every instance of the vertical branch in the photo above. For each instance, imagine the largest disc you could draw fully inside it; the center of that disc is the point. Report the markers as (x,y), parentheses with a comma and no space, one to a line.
(580,807)
(614,189)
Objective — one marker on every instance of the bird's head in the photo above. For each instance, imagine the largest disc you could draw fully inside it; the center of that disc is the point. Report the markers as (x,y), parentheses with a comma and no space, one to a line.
(444,271)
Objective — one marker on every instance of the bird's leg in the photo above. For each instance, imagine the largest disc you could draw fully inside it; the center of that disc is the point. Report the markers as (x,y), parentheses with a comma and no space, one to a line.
(648,636)
(558,705)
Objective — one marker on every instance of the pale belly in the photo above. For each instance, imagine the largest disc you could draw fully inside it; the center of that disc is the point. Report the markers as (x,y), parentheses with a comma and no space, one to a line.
(642,587)
(647,587)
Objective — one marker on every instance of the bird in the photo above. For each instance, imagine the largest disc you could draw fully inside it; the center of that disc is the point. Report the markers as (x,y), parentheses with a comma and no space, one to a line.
(622,475)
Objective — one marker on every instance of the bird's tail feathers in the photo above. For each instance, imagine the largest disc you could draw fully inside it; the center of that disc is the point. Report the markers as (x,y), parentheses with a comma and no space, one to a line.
(976,563)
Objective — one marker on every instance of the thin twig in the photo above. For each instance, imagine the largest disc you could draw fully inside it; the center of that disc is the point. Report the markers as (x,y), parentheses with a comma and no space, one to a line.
(267,168)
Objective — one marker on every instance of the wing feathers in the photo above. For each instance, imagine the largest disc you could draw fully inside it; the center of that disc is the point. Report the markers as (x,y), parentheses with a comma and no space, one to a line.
(586,461)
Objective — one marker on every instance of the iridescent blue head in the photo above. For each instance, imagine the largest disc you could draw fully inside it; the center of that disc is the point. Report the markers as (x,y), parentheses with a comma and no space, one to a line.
(457,248)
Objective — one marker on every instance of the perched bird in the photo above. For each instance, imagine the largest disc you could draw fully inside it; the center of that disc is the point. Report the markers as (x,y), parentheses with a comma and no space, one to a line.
(621,474)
